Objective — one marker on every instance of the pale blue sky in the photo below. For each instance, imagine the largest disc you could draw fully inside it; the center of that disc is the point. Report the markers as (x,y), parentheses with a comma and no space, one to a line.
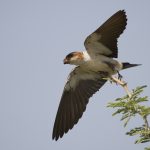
(35,36)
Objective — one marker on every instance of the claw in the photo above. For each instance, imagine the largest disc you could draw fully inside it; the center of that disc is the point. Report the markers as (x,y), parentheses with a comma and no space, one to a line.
(119,76)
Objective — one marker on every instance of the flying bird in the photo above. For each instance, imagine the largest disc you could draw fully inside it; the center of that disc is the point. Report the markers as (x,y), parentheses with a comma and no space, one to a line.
(93,66)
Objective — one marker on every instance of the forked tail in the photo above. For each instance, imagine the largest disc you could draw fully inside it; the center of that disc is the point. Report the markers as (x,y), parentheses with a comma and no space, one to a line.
(128,65)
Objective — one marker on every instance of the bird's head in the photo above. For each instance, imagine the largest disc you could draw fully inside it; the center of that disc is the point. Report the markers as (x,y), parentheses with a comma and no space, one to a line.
(74,58)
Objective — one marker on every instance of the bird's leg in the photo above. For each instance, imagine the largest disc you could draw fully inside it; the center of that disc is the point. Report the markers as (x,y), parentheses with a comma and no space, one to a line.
(122,83)
(119,76)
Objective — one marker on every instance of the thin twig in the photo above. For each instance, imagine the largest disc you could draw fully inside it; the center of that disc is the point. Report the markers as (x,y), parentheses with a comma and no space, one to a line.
(123,84)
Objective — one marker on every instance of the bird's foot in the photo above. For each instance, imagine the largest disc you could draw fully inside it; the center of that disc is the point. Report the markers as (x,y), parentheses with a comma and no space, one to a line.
(122,83)
(118,81)
(119,76)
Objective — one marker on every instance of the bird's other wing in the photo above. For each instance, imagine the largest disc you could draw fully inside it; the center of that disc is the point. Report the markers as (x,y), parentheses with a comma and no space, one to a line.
(104,40)
(79,88)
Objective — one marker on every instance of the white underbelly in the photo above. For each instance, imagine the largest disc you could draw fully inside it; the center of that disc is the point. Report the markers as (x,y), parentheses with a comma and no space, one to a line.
(97,65)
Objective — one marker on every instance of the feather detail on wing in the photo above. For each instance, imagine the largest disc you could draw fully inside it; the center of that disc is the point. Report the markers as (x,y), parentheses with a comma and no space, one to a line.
(104,40)
(79,88)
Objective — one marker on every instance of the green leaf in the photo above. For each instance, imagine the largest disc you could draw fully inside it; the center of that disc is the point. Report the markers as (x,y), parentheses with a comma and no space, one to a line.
(125,116)
(135,131)
(118,111)
(143,99)
(142,140)
(126,122)
(147,148)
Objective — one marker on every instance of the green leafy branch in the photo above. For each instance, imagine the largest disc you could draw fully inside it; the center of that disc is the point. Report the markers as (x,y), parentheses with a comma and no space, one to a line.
(131,105)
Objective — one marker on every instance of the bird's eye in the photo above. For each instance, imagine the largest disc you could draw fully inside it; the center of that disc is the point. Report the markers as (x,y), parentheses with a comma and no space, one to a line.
(70,55)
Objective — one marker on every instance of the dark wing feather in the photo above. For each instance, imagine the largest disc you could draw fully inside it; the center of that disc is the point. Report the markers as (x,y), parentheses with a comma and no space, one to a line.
(104,40)
(75,98)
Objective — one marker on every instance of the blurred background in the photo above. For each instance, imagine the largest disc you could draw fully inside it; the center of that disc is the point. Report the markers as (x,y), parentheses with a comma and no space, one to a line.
(35,36)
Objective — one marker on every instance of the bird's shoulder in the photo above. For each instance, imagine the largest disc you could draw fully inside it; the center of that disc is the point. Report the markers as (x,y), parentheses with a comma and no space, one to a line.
(77,75)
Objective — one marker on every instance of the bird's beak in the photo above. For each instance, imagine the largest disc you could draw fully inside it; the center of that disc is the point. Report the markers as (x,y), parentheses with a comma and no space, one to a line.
(65,61)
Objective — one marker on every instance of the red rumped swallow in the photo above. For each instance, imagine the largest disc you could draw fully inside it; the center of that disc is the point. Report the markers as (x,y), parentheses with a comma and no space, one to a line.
(92,66)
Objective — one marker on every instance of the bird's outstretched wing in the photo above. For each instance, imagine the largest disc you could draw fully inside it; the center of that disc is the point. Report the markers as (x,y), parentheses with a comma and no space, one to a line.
(104,40)
(79,88)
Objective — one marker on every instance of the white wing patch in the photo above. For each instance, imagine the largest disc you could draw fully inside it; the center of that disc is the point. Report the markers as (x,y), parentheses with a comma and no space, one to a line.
(76,75)
(94,46)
